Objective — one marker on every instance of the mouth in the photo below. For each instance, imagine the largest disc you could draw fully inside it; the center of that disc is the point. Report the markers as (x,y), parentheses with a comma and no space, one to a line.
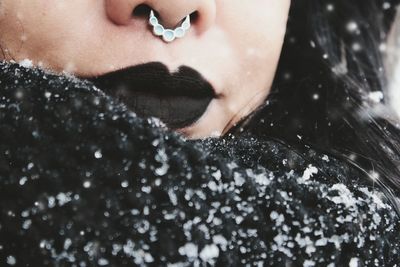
(179,99)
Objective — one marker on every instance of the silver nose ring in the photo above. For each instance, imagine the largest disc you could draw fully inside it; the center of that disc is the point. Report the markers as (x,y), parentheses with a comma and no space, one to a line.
(169,35)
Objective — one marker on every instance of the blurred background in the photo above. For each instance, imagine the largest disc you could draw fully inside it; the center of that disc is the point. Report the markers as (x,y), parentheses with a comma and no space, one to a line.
(393,65)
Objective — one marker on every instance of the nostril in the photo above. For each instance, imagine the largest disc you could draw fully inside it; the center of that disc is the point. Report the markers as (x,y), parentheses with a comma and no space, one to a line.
(142,10)
(194,17)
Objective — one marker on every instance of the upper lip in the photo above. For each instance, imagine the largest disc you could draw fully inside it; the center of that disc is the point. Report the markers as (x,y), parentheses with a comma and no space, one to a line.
(155,78)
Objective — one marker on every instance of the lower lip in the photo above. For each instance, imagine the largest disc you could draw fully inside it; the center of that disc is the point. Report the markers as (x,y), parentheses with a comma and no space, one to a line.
(177,111)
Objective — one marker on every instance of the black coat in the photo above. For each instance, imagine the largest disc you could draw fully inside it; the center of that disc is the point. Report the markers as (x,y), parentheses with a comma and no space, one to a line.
(84,182)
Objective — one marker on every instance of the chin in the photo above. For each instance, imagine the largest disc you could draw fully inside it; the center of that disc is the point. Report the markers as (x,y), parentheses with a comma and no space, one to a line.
(198,132)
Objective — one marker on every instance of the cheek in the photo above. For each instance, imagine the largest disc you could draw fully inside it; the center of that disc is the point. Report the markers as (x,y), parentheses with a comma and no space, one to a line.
(258,40)
(40,29)
(263,32)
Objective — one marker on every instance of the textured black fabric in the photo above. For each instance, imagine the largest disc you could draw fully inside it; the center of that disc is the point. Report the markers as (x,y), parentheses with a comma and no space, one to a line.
(84,182)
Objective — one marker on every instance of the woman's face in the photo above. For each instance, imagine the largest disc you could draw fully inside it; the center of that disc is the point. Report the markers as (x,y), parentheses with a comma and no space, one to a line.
(234,45)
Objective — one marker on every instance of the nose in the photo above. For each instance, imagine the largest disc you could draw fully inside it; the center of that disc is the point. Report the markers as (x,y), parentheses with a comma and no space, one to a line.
(169,12)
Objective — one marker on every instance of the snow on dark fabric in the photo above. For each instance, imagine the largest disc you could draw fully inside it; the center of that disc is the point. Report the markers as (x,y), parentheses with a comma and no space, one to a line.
(84,182)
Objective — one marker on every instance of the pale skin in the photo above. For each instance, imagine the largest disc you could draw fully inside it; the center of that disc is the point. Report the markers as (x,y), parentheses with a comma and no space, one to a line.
(234,44)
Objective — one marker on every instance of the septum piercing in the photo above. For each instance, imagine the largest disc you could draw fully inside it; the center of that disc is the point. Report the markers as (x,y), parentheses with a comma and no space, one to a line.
(169,35)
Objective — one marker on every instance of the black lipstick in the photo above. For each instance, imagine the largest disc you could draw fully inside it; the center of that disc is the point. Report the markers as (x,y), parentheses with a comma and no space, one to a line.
(179,99)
